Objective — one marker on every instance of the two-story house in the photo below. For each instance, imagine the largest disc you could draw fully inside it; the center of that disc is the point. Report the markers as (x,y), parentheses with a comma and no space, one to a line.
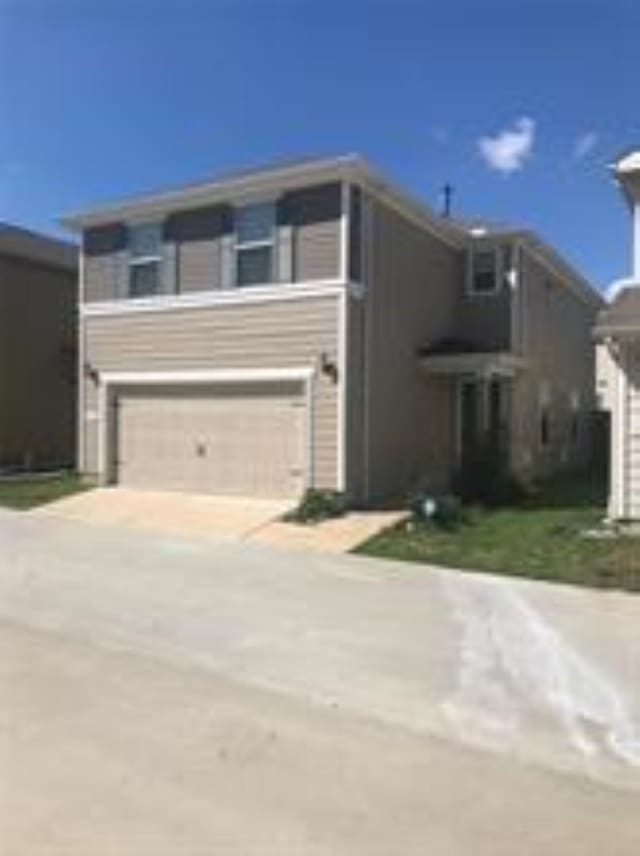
(618,333)
(38,360)
(313,325)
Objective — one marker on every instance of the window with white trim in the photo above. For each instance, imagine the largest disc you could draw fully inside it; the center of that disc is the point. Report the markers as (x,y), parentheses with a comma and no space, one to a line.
(255,229)
(145,259)
(490,269)
(483,273)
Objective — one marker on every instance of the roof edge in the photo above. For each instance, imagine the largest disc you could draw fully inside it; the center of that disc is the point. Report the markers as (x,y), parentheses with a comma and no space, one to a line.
(203,192)
(37,247)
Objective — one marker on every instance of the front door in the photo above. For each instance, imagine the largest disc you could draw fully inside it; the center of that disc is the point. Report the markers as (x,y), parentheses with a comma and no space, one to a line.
(469,421)
(482,418)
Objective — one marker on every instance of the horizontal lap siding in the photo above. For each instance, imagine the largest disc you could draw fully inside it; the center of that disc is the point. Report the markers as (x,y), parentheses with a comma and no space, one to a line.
(411,304)
(198,236)
(633,449)
(316,249)
(555,339)
(200,243)
(200,265)
(267,335)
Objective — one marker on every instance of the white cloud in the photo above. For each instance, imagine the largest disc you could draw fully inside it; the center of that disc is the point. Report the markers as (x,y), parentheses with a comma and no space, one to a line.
(509,149)
(584,144)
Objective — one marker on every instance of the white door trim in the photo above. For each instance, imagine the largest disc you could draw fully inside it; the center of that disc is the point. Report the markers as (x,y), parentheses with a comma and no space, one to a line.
(110,381)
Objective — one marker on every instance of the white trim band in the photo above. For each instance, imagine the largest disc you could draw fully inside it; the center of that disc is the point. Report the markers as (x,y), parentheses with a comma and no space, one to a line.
(213,376)
(220,297)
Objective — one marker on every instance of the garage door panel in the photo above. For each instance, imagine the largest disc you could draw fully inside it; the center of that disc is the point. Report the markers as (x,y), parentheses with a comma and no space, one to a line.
(226,440)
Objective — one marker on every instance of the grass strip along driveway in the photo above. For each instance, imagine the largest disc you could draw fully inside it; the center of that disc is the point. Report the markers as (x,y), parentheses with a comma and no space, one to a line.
(25,492)
(542,537)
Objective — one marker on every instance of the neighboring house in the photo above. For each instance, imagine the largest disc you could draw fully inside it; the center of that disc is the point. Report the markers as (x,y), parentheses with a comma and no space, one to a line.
(313,325)
(618,332)
(38,359)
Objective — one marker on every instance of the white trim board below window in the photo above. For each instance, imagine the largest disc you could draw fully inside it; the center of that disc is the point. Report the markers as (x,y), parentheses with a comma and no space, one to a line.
(205,299)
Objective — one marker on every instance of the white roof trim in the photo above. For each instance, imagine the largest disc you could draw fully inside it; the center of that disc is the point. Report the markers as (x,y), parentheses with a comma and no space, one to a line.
(629,162)
(272,181)
(260,181)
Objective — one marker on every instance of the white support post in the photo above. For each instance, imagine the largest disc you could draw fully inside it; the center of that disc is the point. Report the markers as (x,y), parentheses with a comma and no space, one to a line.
(636,241)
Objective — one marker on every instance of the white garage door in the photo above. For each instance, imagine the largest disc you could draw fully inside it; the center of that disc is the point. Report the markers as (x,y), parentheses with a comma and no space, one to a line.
(242,440)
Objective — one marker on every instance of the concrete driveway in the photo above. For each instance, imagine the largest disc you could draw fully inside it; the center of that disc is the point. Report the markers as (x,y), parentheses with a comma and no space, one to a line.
(168,695)
(217,518)
(171,513)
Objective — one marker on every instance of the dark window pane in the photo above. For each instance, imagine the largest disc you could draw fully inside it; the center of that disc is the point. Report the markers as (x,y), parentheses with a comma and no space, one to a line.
(144,279)
(145,240)
(484,271)
(255,222)
(254,266)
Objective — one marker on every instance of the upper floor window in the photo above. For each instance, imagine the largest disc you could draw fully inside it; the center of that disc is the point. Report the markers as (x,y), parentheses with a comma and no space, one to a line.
(255,243)
(490,269)
(483,278)
(145,259)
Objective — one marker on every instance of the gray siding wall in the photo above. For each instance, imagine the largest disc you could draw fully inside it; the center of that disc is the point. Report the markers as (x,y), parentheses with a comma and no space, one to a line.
(484,320)
(412,286)
(199,246)
(37,364)
(555,337)
(277,334)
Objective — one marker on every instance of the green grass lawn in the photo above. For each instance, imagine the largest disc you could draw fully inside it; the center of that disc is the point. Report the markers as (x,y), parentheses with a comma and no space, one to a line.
(540,538)
(28,492)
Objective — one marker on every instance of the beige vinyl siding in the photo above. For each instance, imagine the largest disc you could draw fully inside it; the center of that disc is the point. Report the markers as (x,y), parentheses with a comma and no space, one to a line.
(105,262)
(277,334)
(316,251)
(199,265)
(606,370)
(198,238)
(632,452)
(556,342)
(411,288)
(195,245)
(314,214)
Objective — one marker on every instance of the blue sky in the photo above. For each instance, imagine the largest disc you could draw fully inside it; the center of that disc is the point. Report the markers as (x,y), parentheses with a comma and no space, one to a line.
(520,105)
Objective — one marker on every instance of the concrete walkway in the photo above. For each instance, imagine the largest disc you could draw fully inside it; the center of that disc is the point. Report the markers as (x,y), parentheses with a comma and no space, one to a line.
(217,517)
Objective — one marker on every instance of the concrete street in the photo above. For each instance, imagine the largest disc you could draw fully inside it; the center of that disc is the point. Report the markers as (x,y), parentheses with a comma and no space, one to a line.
(166,696)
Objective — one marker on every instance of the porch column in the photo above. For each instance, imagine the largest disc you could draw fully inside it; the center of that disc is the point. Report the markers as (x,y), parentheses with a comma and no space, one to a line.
(636,241)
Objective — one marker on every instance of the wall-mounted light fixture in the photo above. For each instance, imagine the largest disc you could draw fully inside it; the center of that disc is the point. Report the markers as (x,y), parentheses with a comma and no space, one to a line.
(328,366)
(90,372)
